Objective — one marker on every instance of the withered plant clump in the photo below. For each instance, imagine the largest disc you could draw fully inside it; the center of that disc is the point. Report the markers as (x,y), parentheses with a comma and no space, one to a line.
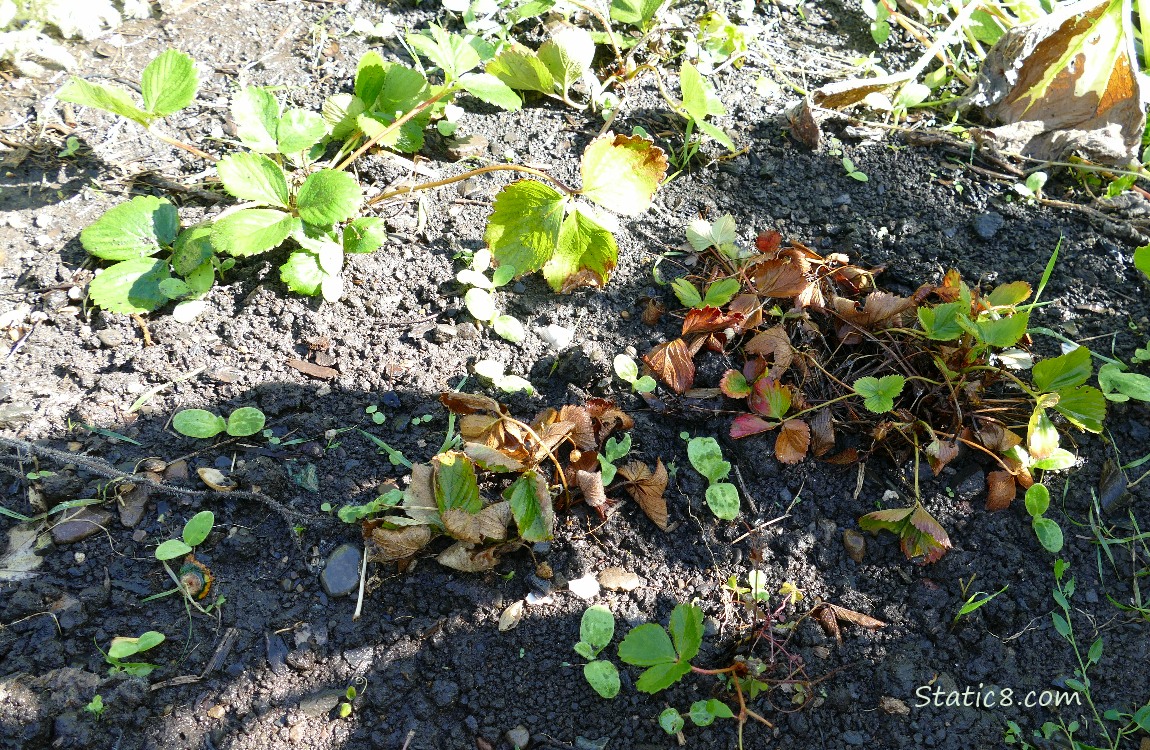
(828,358)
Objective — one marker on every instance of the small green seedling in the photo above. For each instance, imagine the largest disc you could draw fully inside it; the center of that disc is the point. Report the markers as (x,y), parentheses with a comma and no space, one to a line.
(628,372)
(974,603)
(96,707)
(718,294)
(196,530)
(666,656)
(671,721)
(124,648)
(496,373)
(203,424)
(480,301)
(33,476)
(707,458)
(1048,531)
(596,630)
(394,455)
(755,590)
(699,102)
(1032,187)
(720,235)
(613,451)
(1118,384)
(854,172)
(71,147)
(704,713)
(376,415)
(347,703)
(356,513)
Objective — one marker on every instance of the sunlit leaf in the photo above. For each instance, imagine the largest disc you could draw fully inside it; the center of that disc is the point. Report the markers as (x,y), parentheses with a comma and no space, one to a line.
(136,229)
(169,83)
(622,172)
(793,441)
(524,226)
(585,253)
(252,231)
(130,286)
(672,363)
(253,177)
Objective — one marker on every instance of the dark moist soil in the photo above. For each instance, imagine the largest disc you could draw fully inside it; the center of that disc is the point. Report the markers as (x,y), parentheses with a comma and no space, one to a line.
(439,673)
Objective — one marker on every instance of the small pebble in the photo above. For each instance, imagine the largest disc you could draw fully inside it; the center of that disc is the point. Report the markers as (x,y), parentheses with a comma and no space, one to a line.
(855,544)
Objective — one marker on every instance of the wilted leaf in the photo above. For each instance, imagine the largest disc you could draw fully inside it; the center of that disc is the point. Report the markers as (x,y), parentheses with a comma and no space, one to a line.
(647,489)
(582,429)
(709,319)
(469,403)
(781,277)
(622,172)
(770,398)
(396,544)
(419,497)
(822,432)
(672,363)
(746,425)
(455,483)
(490,459)
(511,616)
(879,310)
(940,452)
(608,417)
(776,343)
(1067,82)
(1000,490)
(793,440)
(591,484)
(463,557)
(933,542)
(996,437)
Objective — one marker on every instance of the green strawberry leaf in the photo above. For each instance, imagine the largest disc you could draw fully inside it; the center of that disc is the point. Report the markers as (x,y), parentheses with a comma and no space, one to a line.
(302,274)
(635,12)
(585,254)
(523,229)
(456,487)
(661,677)
(879,393)
(522,70)
(1004,332)
(647,645)
(169,83)
(112,99)
(530,501)
(686,628)
(130,286)
(686,293)
(622,173)
(328,197)
(699,98)
(488,88)
(192,248)
(721,292)
(451,53)
(252,231)
(364,235)
(299,130)
(567,55)
(340,112)
(1065,371)
(1084,406)
(940,323)
(253,177)
(135,229)
(256,114)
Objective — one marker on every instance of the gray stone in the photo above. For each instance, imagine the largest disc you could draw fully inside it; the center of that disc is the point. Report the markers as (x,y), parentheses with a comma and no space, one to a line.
(341,574)
(443,333)
(110,337)
(852,737)
(321,703)
(987,225)
(467,147)
(617,579)
(519,737)
(80,525)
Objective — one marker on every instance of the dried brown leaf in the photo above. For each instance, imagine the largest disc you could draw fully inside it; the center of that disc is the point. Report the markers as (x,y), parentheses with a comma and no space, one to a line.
(1000,490)
(312,370)
(469,403)
(708,320)
(793,441)
(775,343)
(781,277)
(462,557)
(582,428)
(671,362)
(647,488)
(822,432)
(591,483)
(388,545)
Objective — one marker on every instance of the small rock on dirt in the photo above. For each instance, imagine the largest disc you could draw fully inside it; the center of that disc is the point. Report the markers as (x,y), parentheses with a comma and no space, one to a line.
(469,146)
(987,225)
(341,574)
(617,579)
(855,544)
(519,737)
(134,504)
(321,703)
(80,525)
(110,337)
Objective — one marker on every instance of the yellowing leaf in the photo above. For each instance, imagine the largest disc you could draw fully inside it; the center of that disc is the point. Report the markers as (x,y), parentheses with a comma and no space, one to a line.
(521,69)
(524,226)
(585,254)
(623,172)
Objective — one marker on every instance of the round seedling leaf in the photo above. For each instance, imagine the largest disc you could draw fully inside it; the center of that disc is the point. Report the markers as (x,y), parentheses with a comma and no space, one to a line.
(597,627)
(247,420)
(1049,534)
(1037,500)
(327,197)
(723,500)
(480,304)
(198,527)
(509,328)
(198,423)
(625,368)
(172,549)
(671,721)
(603,678)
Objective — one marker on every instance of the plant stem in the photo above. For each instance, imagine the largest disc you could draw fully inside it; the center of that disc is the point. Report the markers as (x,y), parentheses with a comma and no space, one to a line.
(834,400)
(404,190)
(395,126)
(185,146)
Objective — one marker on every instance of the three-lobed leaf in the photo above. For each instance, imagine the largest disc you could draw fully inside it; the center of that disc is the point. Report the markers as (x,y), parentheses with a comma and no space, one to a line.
(253,177)
(879,393)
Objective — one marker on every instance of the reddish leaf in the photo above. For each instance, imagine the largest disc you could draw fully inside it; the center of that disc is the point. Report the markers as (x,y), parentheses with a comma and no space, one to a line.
(855,618)
(793,441)
(1000,490)
(581,460)
(928,527)
(768,241)
(770,399)
(647,489)
(672,363)
(781,277)
(879,310)
(750,308)
(951,288)
(746,425)
(652,312)
(734,385)
(754,368)
(709,319)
